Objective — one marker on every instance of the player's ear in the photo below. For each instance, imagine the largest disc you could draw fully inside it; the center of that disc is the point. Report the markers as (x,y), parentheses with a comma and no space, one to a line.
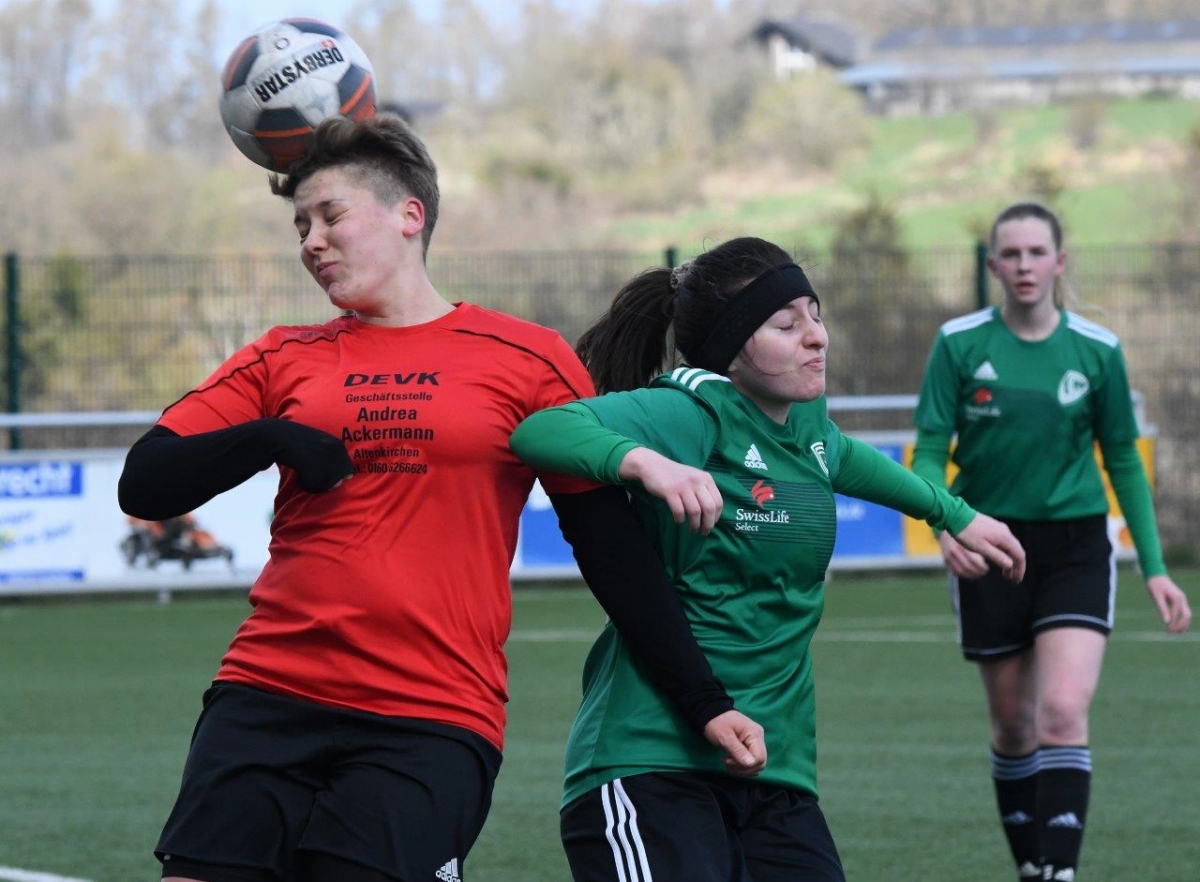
(412,214)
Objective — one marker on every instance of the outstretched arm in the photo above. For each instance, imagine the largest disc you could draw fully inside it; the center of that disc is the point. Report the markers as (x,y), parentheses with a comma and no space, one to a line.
(868,474)
(167,475)
(571,440)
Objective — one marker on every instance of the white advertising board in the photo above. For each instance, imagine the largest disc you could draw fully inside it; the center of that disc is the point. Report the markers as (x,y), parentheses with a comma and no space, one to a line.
(62,531)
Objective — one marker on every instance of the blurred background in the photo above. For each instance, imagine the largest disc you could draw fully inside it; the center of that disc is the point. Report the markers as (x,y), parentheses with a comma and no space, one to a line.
(579,142)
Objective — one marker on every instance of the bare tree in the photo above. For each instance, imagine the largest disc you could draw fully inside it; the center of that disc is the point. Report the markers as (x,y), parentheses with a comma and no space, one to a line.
(398,42)
(473,53)
(141,66)
(43,45)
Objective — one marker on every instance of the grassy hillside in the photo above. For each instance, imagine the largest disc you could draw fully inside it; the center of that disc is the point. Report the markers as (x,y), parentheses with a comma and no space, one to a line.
(1116,171)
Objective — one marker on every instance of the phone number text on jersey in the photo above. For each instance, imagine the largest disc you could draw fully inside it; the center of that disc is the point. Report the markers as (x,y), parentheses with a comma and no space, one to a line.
(381,468)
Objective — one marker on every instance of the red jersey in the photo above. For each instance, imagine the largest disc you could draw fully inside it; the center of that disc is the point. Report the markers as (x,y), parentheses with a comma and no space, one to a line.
(390,593)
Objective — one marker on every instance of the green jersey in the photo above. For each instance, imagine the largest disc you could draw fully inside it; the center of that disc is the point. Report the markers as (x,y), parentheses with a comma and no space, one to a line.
(1027,414)
(753,589)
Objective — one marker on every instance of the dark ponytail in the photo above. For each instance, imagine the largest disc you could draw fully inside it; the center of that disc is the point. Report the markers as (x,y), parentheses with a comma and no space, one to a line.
(627,346)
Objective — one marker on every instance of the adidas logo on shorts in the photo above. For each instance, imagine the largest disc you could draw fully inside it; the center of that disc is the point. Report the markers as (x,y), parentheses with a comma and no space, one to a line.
(449,871)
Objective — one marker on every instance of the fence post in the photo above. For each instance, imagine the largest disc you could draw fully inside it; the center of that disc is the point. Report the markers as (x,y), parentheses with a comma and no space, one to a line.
(670,256)
(12,318)
(981,275)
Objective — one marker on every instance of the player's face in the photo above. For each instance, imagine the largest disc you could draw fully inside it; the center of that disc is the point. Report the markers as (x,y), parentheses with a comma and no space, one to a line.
(1026,261)
(784,361)
(350,242)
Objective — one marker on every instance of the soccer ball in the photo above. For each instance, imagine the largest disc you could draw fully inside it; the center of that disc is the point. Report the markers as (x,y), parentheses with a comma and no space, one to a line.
(283,80)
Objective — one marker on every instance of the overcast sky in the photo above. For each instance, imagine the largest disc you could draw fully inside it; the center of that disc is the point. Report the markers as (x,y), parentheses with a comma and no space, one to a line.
(242,17)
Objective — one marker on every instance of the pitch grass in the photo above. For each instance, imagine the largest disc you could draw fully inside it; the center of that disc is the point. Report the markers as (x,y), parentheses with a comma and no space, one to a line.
(98,697)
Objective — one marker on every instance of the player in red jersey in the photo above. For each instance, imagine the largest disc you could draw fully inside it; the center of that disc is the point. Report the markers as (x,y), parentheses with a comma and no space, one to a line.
(354,728)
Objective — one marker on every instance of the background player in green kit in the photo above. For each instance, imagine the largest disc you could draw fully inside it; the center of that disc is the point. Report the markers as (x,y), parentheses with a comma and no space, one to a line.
(733,464)
(1029,388)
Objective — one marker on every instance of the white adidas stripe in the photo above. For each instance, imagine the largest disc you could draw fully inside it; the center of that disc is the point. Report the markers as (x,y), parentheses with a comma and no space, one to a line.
(968,321)
(683,374)
(1086,328)
(693,377)
(624,837)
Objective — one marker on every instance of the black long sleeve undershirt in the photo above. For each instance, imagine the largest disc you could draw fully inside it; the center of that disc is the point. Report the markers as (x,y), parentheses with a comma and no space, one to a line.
(626,575)
(167,475)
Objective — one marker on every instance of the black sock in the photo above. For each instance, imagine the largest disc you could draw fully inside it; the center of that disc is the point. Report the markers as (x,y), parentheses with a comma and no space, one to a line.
(1016,780)
(1063,785)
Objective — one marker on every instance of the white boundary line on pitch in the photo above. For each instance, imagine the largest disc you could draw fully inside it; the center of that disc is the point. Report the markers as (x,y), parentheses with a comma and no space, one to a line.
(833,635)
(12,874)
(1119,636)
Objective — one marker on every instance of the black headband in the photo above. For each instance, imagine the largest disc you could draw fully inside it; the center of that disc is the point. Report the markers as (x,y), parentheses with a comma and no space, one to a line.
(745,313)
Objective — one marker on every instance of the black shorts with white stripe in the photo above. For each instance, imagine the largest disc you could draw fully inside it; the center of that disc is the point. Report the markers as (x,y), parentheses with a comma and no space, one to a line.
(280,788)
(1070,582)
(702,828)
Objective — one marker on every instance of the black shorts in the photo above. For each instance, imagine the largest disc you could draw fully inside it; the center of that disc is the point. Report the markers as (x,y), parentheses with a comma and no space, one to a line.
(269,778)
(669,827)
(1070,582)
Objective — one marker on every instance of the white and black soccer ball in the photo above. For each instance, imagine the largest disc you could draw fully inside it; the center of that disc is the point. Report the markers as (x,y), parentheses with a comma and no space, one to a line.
(284,79)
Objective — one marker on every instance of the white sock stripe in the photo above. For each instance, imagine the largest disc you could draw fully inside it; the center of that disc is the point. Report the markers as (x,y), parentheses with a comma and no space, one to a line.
(1064,751)
(1012,768)
(609,826)
(1079,758)
(634,831)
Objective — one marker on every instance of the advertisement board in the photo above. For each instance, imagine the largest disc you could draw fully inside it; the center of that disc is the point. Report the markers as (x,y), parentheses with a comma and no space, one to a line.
(61,529)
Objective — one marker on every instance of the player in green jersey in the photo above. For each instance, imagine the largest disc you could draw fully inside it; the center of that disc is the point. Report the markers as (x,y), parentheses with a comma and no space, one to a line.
(732,463)
(1029,388)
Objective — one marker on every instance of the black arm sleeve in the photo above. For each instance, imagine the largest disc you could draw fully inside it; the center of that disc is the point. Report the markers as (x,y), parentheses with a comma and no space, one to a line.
(167,475)
(625,574)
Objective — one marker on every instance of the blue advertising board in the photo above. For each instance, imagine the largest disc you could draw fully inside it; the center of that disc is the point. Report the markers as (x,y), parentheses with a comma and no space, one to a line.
(40,522)
(868,530)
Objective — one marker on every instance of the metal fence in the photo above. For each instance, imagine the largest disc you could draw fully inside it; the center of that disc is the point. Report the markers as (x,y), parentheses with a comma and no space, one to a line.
(135,333)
